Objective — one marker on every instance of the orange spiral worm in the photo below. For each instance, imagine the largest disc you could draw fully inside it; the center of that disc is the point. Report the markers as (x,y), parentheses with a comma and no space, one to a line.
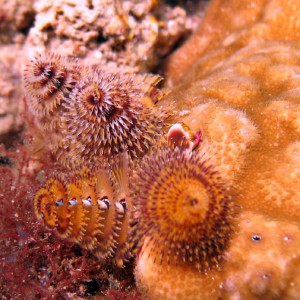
(91,208)
(108,113)
(183,209)
(48,79)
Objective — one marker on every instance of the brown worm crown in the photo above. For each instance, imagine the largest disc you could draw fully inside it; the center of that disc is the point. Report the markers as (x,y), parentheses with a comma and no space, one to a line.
(183,208)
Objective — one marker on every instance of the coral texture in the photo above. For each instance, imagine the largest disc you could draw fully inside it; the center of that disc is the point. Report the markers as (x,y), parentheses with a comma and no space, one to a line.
(237,81)
(269,271)
(263,260)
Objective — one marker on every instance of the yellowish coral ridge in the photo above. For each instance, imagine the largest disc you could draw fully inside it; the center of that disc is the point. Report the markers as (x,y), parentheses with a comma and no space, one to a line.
(237,81)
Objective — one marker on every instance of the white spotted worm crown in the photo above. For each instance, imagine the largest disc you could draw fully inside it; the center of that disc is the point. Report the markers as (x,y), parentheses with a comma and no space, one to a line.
(92,208)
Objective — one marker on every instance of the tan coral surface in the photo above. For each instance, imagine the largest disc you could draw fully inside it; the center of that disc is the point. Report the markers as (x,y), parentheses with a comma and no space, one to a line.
(268,271)
(237,80)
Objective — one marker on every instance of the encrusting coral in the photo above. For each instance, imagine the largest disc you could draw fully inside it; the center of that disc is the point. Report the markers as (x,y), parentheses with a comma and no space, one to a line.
(232,26)
(228,135)
(263,260)
(237,81)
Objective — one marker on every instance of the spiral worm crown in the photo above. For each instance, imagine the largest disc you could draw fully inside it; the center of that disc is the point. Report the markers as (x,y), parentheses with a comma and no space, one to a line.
(106,114)
(48,79)
(183,208)
(90,210)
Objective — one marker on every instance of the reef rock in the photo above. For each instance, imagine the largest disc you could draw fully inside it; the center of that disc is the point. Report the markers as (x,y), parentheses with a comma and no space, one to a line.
(131,34)
(10,95)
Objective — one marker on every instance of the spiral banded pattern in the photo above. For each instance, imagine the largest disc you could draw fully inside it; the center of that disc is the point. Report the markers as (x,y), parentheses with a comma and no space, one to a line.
(90,210)
(48,79)
(108,113)
(183,208)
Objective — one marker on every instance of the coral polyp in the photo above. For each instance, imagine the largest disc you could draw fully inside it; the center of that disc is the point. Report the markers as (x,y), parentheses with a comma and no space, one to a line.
(89,209)
(48,79)
(184,210)
(108,113)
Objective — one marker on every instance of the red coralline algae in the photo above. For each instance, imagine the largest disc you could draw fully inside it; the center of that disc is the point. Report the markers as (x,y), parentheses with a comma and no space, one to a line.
(33,261)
